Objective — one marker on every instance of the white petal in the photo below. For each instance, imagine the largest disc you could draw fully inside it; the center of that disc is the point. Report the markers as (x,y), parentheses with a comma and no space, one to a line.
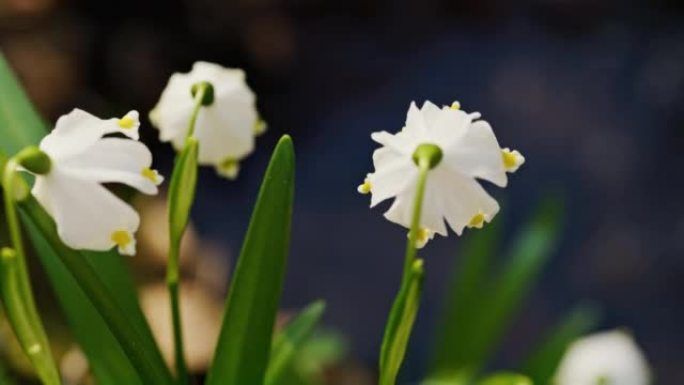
(393,174)
(225,130)
(73,132)
(114,160)
(77,130)
(613,356)
(415,123)
(86,213)
(462,199)
(477,154)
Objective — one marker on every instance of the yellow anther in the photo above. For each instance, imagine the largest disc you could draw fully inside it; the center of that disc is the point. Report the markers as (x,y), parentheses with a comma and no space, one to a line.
(121,238)
(365,187)
(423,235)
(127,122)
(229,168)
(259,127)
(455,106)
(510,160)
(477,221)
(150,174)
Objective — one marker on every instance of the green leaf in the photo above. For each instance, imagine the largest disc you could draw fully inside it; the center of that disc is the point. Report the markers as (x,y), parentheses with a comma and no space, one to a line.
(400,324)
(464,299)
(543,361)
(530,252)
(21,126)
(244,344)
(505,379)
(287,343)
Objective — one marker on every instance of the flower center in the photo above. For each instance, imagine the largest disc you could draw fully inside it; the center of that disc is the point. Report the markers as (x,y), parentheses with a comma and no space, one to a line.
(121,238)
(427,153)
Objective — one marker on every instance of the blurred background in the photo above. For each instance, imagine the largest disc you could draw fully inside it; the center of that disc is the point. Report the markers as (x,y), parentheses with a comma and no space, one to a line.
(590,91)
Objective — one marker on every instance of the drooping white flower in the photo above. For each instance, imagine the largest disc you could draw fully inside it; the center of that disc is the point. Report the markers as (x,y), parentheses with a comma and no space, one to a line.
(226,129)
(603,359)
(470,152)
(88,216)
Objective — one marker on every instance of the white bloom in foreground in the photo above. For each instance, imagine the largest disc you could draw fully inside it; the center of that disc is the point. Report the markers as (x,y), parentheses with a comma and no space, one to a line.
(608,358)
(470,152)
(226,129)
(88,216)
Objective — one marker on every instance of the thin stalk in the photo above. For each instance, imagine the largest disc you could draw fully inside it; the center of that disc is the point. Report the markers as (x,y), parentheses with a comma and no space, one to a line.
(16,288)
(392,351)
(173,265)
(411,250)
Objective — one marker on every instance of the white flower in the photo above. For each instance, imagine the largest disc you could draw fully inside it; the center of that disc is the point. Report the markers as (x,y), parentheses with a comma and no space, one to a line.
(88,216)
(608,358)
(470,151)
(226,129)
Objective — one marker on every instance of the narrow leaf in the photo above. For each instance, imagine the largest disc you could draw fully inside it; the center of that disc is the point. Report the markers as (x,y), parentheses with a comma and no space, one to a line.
(542,363)
(400,324)
(287,343)
(463,299)
(244,344)
(530,251)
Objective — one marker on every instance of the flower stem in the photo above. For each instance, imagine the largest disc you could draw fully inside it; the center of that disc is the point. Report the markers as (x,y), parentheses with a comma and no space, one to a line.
(405,306)
(411,250)
(15,286)
(176,234)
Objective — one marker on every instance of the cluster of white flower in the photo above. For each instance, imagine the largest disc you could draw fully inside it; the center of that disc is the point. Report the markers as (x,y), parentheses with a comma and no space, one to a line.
(83,155)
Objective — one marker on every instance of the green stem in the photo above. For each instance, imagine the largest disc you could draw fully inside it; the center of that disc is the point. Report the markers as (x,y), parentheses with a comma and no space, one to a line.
(411,250)
(16,288)
(173,265)
(401,318)
(148,363)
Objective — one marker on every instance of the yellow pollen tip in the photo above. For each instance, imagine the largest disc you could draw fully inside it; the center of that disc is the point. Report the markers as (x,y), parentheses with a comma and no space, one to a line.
(423,235)
(455,106)
(150,174)
(127,122)
(509,159)
(477,221)
(365,187)
(121,238)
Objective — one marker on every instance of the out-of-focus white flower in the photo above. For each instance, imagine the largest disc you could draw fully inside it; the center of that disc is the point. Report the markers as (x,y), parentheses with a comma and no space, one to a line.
(470,152)
(88,216)
(226,128)
(608,358)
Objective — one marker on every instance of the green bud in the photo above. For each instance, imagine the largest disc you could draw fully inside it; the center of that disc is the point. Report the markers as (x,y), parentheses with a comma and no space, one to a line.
(207,91)
(34,160)
(427,153)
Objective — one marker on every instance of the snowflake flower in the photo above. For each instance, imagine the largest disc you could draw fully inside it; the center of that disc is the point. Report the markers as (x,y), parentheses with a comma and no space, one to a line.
(88,216)
(226,128)
(603,358)
(469,151)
